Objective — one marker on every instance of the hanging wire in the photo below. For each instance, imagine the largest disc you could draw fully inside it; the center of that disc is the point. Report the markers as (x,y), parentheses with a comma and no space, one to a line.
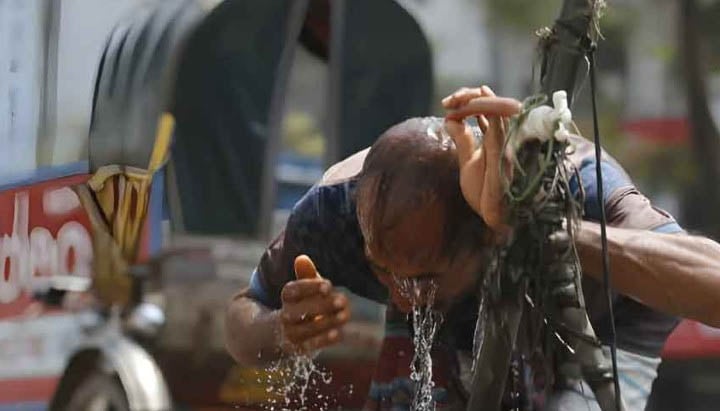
(603,227)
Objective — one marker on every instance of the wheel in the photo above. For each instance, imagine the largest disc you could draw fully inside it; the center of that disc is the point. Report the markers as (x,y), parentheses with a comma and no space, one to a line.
(99,392)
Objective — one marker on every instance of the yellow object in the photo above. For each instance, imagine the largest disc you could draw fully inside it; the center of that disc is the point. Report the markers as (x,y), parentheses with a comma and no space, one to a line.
(250,386)
(121,196)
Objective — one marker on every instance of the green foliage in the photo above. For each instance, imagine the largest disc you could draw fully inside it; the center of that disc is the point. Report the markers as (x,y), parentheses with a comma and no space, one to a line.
(618,18)
(529,15)
(525,15)
(665,53)
(709,14)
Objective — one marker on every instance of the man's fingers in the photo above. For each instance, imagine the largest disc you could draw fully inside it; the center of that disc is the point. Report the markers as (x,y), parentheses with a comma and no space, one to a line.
(463,138)
(492,209)
(494,139)
(487,106)
(483,123)
(462,96)
(305,268)
(323,340)
(309,308)
(298,333)
(298,290)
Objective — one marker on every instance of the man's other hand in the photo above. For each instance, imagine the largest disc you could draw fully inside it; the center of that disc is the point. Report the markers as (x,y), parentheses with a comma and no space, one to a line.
(480,178)
(312,314)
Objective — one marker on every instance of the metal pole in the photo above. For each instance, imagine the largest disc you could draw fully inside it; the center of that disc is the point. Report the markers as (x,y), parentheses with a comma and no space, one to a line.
(563,51)
(48,109)
(296,18)
(335,91)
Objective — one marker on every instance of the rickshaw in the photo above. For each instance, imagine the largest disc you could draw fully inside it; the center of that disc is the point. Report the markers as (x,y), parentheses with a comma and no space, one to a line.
(183,146)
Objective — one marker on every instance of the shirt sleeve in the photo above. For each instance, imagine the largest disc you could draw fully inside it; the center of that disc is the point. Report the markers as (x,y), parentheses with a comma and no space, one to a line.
(276,267)
(625,205)
(323,225)
(272,273)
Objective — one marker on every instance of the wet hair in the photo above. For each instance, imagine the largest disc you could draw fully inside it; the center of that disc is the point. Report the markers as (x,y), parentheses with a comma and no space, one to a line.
(414,164)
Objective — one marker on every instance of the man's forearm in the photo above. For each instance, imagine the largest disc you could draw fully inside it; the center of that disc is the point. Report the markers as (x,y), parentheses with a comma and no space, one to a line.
(676,274)
(252,332)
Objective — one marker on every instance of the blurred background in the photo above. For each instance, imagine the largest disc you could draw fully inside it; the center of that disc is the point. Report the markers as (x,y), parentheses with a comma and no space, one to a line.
(265,95)
(657,70)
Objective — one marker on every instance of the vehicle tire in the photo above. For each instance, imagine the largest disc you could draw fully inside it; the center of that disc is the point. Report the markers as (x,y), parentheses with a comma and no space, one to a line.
(99,392)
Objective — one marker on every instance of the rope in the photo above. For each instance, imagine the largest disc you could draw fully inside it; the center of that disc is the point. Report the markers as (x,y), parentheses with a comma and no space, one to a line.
(603,228)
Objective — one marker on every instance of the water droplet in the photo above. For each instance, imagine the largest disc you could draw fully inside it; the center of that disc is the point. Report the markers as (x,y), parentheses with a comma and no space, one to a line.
(299,383)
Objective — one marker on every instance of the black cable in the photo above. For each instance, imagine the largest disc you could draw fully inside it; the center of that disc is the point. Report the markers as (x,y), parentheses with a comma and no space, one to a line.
(603,229)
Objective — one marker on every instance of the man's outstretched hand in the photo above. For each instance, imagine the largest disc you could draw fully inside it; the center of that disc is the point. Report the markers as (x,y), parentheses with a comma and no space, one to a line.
(480,178)
(312,313)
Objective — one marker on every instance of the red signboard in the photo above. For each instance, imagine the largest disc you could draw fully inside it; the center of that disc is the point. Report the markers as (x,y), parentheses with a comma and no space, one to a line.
(44,231)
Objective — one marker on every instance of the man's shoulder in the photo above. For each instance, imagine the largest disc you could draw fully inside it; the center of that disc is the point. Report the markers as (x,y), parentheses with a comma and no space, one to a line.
(346,169)
(333,197)
(331,202)
(583,161)
(583,155)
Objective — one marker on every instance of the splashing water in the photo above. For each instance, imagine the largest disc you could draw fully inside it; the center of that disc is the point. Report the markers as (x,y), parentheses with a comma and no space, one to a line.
(426,321)
(479,335)
(293,385)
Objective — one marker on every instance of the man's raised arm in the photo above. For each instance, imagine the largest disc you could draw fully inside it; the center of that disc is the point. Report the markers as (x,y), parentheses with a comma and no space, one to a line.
(674,273)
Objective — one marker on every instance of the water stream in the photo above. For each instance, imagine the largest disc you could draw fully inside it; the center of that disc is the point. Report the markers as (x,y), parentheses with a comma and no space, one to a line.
(293,383)
(479,335)
(426,321)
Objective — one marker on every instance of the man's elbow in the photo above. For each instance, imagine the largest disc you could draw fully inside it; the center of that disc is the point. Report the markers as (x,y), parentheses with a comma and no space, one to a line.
(709,316)
(246,331)
(711,253)
(235,323)
(242,357)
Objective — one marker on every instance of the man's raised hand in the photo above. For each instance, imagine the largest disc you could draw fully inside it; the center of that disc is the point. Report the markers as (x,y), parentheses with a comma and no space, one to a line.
(480,178)
(312,313)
